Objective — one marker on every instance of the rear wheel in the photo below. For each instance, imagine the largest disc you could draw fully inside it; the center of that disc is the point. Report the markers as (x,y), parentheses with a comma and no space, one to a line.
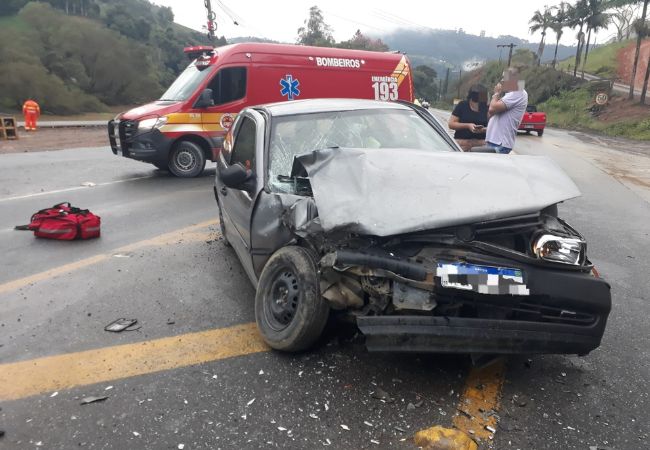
(187,160)
(540,132)
(290,311)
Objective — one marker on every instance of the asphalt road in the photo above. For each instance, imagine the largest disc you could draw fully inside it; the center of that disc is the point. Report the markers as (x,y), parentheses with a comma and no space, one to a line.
(195,375)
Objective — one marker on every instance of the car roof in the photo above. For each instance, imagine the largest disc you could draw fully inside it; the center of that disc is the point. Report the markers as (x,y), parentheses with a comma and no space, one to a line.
(327,105)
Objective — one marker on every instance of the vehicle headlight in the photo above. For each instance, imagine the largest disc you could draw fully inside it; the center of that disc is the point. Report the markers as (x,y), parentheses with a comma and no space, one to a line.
(560,249)
(151,124)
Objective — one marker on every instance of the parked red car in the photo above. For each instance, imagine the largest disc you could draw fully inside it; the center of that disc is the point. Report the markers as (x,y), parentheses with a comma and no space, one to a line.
(533,120)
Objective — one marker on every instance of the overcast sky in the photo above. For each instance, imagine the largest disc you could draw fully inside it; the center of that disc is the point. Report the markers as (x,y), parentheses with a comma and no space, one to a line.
(279,20)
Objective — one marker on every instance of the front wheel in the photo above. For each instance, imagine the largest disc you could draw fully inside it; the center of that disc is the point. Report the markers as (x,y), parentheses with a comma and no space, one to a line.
(289,308)
(187,160)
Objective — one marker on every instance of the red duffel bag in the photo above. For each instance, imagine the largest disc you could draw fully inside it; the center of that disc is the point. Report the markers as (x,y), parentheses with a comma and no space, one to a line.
(65,222)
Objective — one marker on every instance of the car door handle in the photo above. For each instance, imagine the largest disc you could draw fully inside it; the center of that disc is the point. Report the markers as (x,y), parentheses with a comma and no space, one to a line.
(223,190)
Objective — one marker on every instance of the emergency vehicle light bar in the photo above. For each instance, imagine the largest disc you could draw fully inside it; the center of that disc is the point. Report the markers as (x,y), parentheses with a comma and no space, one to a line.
(196,51)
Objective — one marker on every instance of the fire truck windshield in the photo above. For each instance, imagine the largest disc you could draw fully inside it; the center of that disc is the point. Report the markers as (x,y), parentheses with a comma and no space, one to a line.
(185,85)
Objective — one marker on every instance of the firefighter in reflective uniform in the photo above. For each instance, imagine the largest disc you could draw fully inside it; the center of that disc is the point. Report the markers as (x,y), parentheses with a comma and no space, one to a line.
(31,111)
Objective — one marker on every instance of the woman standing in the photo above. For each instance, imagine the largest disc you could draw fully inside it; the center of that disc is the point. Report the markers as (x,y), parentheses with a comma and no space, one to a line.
(470,117)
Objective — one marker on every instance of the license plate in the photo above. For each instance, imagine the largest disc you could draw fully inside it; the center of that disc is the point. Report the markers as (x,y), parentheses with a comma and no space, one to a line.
(529,127)
(490,280)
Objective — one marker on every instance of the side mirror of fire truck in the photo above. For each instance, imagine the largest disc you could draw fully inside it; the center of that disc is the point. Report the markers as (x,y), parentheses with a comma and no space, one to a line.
(205,99)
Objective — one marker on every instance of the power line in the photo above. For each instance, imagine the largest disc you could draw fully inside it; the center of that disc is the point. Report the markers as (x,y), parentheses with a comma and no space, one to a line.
(329,13)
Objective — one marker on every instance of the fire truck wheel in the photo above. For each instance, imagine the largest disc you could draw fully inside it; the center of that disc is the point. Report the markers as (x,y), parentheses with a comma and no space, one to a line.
(187,160)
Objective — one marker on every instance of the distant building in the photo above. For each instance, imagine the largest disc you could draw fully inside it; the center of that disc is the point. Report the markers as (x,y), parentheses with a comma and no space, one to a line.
(482,33)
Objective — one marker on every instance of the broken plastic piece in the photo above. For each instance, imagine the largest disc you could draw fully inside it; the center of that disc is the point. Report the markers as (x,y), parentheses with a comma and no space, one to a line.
(93,399)
(120,325)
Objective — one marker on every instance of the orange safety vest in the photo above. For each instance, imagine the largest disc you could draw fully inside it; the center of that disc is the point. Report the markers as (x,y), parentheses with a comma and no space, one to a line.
(30,106)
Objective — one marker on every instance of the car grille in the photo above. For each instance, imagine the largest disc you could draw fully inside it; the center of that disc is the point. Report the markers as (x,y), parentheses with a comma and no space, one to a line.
(120,134)
(128,129)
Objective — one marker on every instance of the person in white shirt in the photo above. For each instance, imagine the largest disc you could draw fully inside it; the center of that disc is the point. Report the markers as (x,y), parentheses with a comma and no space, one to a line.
(505,112)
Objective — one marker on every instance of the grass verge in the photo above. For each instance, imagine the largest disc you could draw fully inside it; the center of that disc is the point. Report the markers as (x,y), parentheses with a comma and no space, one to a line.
(571,110)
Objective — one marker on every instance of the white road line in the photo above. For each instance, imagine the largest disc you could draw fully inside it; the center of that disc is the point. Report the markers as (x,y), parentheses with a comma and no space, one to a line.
(58,191)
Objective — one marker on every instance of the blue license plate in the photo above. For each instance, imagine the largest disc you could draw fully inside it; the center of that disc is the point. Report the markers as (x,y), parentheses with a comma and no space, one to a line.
(490,280)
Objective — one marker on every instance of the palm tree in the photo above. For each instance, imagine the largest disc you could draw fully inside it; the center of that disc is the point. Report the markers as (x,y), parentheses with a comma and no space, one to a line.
(540,21)
(597,19)
(578,18)
(558,23)
(640,34)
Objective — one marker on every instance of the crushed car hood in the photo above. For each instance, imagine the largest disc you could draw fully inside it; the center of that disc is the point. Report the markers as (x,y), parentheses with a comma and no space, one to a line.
(384,192)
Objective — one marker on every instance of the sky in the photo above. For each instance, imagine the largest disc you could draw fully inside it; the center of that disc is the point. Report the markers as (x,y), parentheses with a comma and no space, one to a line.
(280,20)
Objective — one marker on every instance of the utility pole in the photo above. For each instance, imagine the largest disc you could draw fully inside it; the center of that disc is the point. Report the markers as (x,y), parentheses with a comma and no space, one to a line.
(460,77)
(447,81)
(440,89)
(212,26)
(511,46)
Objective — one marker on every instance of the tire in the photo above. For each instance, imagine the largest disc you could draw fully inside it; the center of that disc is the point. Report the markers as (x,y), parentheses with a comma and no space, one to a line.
(187,160)
(540,132)
(289,309)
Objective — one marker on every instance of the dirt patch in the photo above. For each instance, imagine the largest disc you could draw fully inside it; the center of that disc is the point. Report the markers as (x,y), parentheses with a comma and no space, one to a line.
(46,139)
(620,108)
(625,60)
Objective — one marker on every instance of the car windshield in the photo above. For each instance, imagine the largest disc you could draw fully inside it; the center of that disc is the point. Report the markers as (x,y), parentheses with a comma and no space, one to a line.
(186,83)
(378,129)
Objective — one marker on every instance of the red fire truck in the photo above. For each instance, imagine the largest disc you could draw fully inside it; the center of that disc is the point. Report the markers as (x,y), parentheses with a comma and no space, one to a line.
(186,126)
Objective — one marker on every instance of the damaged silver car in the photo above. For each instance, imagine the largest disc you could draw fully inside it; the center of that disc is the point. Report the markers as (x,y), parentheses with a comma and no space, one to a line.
(369,209)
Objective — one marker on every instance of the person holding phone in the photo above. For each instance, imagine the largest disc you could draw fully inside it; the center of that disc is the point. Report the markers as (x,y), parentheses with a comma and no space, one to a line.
(470,118)
(506,109)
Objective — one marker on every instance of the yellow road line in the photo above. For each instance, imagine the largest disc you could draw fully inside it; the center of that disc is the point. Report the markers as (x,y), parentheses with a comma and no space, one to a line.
(53,373)
(476,413)
(481,400)
(187,234)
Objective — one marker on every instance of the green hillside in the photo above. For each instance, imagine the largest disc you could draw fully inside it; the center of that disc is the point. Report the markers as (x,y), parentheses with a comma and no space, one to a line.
(94,55)
(601,60)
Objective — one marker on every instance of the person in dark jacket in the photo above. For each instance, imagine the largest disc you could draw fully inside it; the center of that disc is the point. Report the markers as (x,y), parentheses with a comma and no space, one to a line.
(469,118)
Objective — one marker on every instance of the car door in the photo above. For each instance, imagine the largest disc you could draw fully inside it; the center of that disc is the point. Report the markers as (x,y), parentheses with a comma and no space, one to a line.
(237,204)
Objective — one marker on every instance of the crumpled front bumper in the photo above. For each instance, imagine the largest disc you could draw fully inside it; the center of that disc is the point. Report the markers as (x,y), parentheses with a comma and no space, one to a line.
(570,311)
(464,335)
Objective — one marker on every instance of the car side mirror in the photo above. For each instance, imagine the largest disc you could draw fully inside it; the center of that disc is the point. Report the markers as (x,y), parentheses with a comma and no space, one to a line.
(236,176)
(483,149)
(205,99)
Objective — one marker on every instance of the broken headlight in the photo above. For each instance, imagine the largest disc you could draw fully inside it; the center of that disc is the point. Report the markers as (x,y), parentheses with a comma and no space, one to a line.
(560,249)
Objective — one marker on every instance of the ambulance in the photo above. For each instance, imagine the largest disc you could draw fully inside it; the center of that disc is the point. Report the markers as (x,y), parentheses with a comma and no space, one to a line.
(185,127)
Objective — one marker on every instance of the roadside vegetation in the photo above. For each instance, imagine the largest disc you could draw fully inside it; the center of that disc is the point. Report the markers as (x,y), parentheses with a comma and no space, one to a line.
(575,110)
(87,56)
(602,60)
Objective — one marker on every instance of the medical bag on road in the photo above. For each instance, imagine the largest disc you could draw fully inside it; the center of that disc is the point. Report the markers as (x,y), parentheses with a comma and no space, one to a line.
(64,222)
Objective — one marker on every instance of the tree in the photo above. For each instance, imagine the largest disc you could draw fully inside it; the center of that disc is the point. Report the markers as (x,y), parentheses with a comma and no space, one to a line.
(315,31)
(540,21)
(597,19)
(639,37)
(361,42)
(622,15)
(424,82)
(11,7)
(577,19)
(558,22)
(643,29)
